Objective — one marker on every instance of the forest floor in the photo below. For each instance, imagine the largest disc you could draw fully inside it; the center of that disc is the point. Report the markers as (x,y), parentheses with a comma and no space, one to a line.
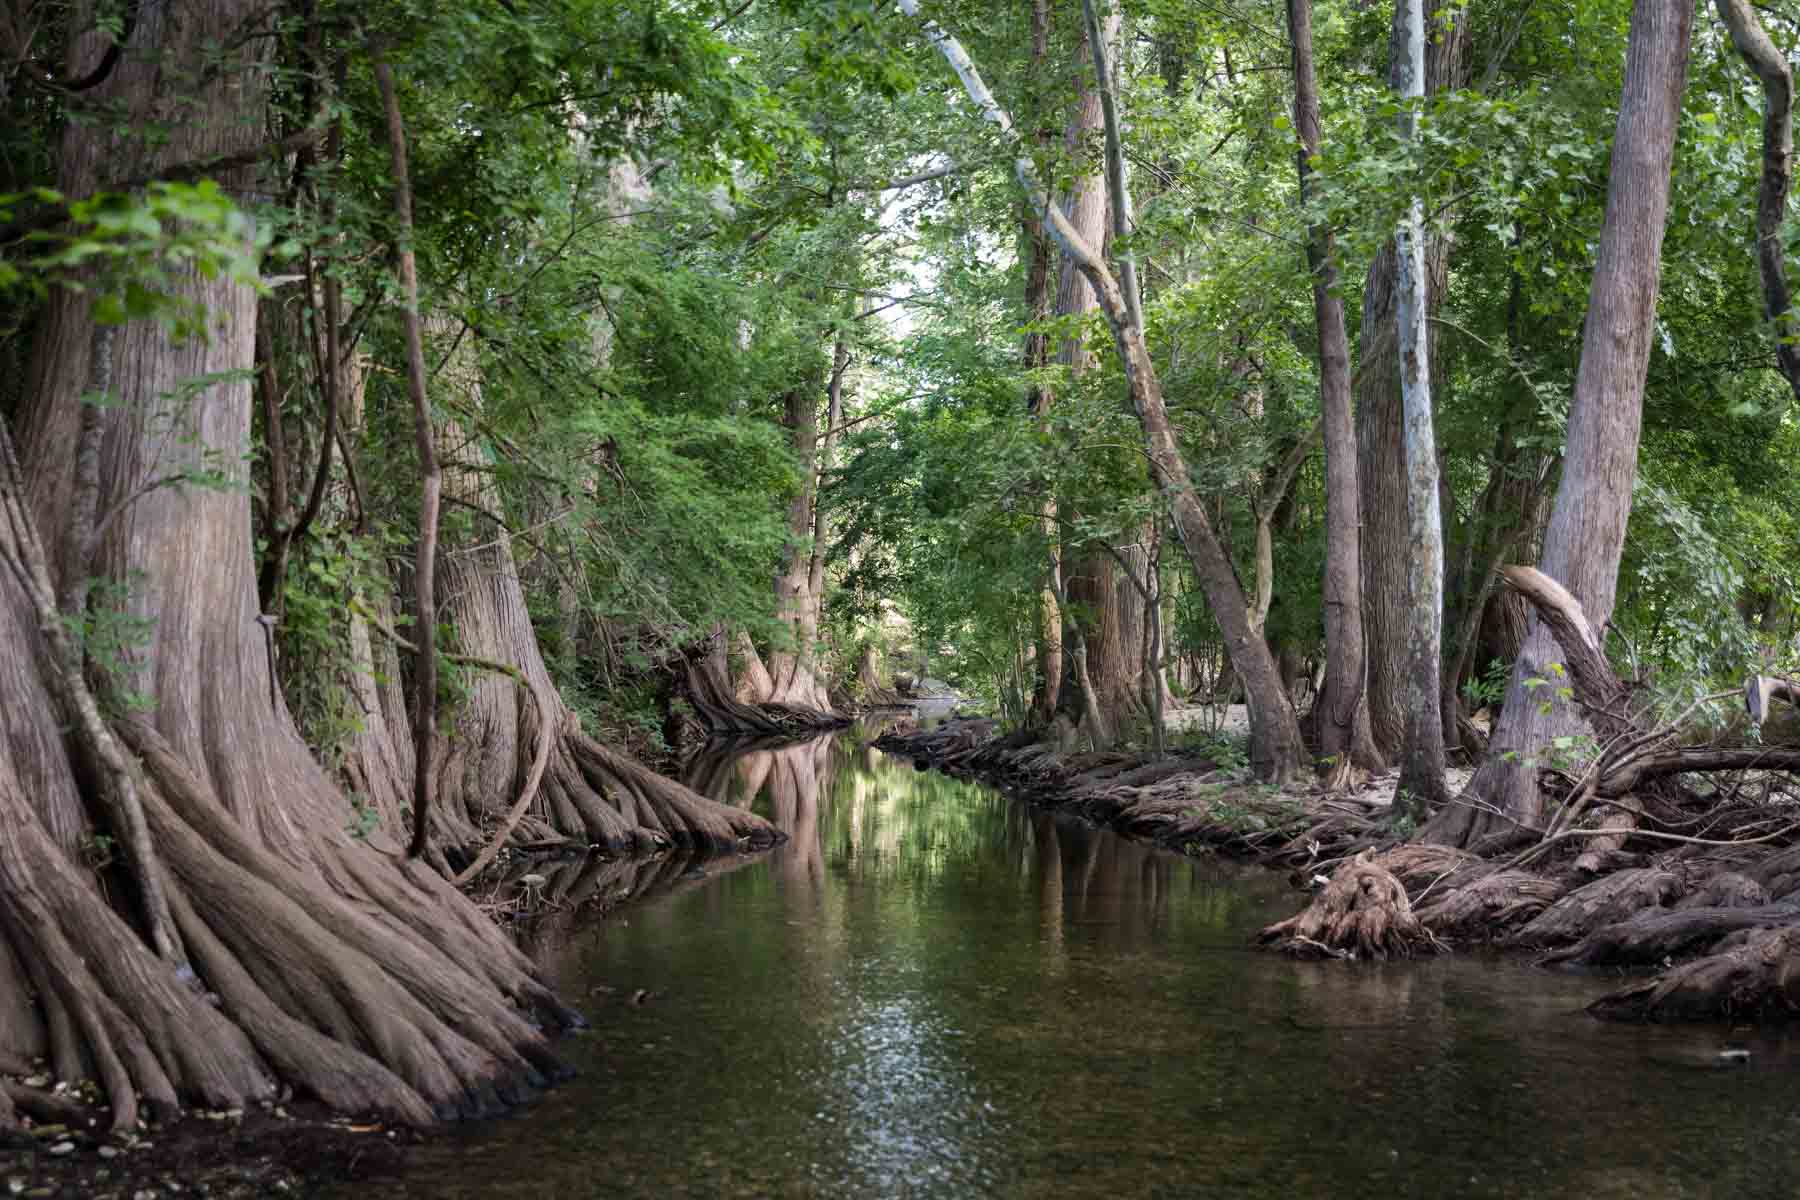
(228,1155)
(1691,893)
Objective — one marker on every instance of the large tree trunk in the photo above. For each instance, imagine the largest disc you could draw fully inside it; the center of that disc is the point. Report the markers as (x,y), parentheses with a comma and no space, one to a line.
(793,669)
(357,977)
(1342,716)
(1587,525)
(588,793)
(1380,423)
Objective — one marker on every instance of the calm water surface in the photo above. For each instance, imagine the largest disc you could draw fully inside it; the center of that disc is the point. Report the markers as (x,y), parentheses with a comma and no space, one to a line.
(932,991)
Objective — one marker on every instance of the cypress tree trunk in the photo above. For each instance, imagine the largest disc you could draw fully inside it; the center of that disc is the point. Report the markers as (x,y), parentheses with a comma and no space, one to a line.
(1093,581)
(1342,715)
(1421,786)
(793,670)
(1276,751)
(1586,536)
(1380,423)
(359,978)
(588,792)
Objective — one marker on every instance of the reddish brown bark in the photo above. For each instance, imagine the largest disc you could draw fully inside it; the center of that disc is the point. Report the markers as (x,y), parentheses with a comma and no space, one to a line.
(356,977)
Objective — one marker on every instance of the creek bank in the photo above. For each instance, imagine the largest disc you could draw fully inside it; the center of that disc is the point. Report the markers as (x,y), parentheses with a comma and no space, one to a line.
(248,1154)
(1713,910)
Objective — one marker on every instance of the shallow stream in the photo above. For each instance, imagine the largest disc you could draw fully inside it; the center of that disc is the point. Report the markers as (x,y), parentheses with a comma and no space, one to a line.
(933,991)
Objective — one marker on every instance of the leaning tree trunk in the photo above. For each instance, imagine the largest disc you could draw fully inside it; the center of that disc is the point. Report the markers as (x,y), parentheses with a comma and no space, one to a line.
(517,746)
(1587,525)
(337,967)
(1276,751)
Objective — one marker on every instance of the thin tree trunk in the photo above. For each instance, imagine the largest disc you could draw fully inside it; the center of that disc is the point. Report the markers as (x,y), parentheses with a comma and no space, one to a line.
(1342,715)
(1777,80)
(1090,580)
(1380,421)
(1586,536)
(1049,634)
(431,482)
(1421,787)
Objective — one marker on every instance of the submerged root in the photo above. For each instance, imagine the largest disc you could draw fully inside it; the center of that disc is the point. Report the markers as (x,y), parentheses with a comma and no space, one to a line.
(1362,913)
(1755,975)
(1664,934)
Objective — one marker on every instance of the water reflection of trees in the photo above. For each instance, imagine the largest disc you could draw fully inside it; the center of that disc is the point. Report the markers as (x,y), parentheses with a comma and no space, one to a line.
(553,903)
(844,804)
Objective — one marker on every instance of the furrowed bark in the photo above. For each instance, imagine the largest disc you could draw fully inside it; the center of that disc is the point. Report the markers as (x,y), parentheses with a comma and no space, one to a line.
(338,966)
(1586,536)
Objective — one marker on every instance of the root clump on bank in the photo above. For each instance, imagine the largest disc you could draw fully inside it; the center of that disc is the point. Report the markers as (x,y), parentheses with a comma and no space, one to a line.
(1362,913)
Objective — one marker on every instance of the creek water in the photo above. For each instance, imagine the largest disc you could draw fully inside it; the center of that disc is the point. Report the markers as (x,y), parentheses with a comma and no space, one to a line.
(933,991)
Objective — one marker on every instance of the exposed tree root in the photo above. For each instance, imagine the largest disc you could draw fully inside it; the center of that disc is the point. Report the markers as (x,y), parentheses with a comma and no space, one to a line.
(1362,913)
(1425,869)
(1664,934)
(1755,976)
(706,687)
(1606,901)
(1728,889)
(1491,904)
(1667,875)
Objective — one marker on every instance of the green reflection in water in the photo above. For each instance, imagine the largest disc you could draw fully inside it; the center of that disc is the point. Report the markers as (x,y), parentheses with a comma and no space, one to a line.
(931,991)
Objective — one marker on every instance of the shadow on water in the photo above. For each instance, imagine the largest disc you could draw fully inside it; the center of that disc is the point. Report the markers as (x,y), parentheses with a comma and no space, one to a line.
(931,991)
